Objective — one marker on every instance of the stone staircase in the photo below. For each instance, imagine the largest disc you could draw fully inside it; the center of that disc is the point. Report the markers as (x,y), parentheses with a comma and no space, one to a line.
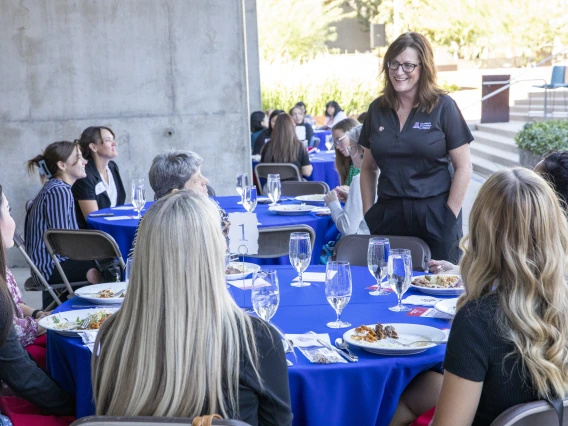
(556,106)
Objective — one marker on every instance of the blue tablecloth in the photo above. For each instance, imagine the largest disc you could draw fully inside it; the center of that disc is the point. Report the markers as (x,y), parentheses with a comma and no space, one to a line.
(322,134)
(363,393)
(123,231)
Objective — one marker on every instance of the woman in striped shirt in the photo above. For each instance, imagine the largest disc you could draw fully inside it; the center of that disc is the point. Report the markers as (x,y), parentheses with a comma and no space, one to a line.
(60,165)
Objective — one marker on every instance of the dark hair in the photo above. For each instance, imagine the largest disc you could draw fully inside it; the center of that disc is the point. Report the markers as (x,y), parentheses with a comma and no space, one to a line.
(555,170)
(284,144)
(361,117)
(274,113)
(428,89)
(6,312)
(54,153)
(91,135)
(301,104)
(293,108)
(343,163)
(333,104)
(256,119)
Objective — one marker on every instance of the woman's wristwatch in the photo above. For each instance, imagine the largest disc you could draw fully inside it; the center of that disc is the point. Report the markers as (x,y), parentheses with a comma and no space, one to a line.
(34,314)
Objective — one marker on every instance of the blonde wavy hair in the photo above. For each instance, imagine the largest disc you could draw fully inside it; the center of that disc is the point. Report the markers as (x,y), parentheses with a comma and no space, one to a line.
(174,348)
(518,249)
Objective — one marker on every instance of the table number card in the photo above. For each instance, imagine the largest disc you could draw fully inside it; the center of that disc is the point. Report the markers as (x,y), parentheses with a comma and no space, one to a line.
(243,233)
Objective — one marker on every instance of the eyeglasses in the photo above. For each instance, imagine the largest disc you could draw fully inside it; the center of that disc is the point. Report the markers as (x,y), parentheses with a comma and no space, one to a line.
(337,142)
(406,67)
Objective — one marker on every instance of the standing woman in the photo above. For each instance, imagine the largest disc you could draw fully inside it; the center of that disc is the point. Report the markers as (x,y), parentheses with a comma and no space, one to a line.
(334,114)
(102,188)
(413,134)
(60,165)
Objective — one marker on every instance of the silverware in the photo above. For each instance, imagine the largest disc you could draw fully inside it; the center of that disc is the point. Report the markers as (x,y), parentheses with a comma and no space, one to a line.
(110,305)
(342,344)
(81,326)
(342,354)
(114,295)
(408,345)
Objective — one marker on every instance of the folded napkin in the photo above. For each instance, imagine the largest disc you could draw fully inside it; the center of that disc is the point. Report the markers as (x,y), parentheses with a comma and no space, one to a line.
(125,207)
(119,217)
(322,210)
(315,276)
(242,284)
(313,350)
(88,338)
(424,300)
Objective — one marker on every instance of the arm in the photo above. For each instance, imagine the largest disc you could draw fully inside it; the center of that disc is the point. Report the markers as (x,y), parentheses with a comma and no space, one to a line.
(462,174)
(458,401)
(307,167)
(369,179)
(349,218)
(307,170)
(88,206)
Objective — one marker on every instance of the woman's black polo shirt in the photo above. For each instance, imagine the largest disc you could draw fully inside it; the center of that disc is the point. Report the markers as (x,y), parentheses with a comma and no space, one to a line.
(414,162)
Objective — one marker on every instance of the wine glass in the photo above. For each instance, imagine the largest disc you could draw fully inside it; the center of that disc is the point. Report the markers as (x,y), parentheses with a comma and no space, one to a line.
(138,196)
(242,182)
(274,188)
(400,275)
(328,142)
(338,289)
(377,259)
(249,198)
(265,295)
(300,255)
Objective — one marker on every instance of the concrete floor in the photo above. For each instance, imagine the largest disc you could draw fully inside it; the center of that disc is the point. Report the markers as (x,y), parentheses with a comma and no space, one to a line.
(33,298)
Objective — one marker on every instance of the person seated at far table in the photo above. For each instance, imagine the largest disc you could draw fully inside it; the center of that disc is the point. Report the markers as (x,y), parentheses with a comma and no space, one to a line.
(235,365)
(284,146)
(348,159)
(258,122)
(307,117)
(266,134)
(508,342)
(334,115)
(304,130)
(102,187)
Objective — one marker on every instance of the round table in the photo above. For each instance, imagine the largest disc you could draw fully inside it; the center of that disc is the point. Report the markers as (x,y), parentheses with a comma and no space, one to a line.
(363,393)
(124,230)
(322,135)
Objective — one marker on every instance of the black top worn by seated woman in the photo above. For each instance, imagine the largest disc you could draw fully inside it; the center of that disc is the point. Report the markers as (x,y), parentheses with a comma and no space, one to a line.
(86,189)
(477,351)
(303,158)
(416,173)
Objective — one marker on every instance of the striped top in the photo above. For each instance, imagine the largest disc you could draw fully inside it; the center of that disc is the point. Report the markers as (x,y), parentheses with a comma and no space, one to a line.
(52,208)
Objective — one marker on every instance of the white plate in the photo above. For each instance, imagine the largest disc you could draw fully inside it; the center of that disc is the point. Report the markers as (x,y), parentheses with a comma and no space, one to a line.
(447,306)
(316,199)
(90,293)
(440,291)
(249,269)
(407,333)
(263,200)
(292,209)
(50,322)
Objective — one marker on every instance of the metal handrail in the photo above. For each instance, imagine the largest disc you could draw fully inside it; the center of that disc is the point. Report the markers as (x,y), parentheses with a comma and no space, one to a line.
(515,80)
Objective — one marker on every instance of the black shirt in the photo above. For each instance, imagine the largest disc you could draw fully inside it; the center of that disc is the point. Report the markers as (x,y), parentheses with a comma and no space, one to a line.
(414,162)
(477,352)
(260,140)
(84,189)
(303,158)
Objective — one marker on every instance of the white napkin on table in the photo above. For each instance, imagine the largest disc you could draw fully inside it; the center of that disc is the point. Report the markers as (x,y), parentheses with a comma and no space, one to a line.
(307,340)
(120,217)
(126,207)
(88,338)
(315,276)
(242,284)
(422,300)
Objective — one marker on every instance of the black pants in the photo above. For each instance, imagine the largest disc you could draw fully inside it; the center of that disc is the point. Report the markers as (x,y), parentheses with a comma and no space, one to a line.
(428,218)
(75,271)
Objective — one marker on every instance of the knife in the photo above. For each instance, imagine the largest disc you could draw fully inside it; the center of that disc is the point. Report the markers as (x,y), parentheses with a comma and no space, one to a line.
(331,348)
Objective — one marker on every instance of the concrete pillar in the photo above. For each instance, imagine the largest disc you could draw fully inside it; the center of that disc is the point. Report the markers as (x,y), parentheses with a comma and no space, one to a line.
(253,57)
(163,74)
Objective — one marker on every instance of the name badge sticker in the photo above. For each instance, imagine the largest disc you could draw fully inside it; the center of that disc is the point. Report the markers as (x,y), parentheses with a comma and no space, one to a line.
(100,188)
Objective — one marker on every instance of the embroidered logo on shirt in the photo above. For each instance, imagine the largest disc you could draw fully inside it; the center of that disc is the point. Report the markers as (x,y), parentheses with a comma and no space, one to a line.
(381,129)
(422,126)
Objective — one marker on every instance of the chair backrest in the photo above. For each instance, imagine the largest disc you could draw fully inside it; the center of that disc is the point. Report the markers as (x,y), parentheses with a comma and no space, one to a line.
(275,241)
(353,249)
(316,142)
(147,421)
(293,189)
(558,72)
(530,414)
(287,171)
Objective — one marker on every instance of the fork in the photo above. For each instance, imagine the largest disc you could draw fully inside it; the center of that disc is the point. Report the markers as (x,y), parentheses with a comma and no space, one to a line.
(82,325)
(408,345)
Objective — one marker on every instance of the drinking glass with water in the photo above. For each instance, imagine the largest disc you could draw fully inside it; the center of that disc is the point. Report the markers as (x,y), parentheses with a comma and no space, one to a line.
(265,295)
(338,285)
(242,182)
(138,196)
(400,275)
(273,188)
(249,198)
(377,259)
(300,251)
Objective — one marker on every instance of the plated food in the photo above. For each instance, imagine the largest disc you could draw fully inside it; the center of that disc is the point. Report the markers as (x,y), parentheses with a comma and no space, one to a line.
(240,270)
(293,209)
(379,338)
(71,323)
(103,294)
(439,285)
(312,199)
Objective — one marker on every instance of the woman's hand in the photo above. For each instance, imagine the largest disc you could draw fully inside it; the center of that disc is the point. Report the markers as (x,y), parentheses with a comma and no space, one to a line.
(342,193)
(330,197)
(442,267)
(42,314)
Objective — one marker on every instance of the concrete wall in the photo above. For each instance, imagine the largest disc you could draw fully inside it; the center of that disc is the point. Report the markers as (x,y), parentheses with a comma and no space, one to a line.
(163,74)
(253,56)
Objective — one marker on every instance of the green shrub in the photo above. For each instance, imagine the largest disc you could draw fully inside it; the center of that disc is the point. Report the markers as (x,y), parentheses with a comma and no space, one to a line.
(543,137)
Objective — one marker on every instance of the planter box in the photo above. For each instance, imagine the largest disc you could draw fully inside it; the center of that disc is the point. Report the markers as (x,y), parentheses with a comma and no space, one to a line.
(529,159)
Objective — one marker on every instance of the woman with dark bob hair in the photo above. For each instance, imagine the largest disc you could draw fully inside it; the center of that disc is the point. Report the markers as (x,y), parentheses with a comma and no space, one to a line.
(334,114)
(258,122)
(413,134)
(102,187)
(266,134)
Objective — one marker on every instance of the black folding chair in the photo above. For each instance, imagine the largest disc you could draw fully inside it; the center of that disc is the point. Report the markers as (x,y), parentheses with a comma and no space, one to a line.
(294,189)
(275,241)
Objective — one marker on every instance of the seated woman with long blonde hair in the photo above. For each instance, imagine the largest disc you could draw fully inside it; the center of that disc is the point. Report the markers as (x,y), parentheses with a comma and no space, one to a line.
(180,346)
(509,339)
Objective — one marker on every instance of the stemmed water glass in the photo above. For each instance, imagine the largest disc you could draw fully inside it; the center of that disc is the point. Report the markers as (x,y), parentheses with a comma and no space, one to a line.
(399,275)
(138,196)
(265,295)
(377,259)
(300,251)
(249,198)
(328,142)
(242,182)
(274,188)
(338,289)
